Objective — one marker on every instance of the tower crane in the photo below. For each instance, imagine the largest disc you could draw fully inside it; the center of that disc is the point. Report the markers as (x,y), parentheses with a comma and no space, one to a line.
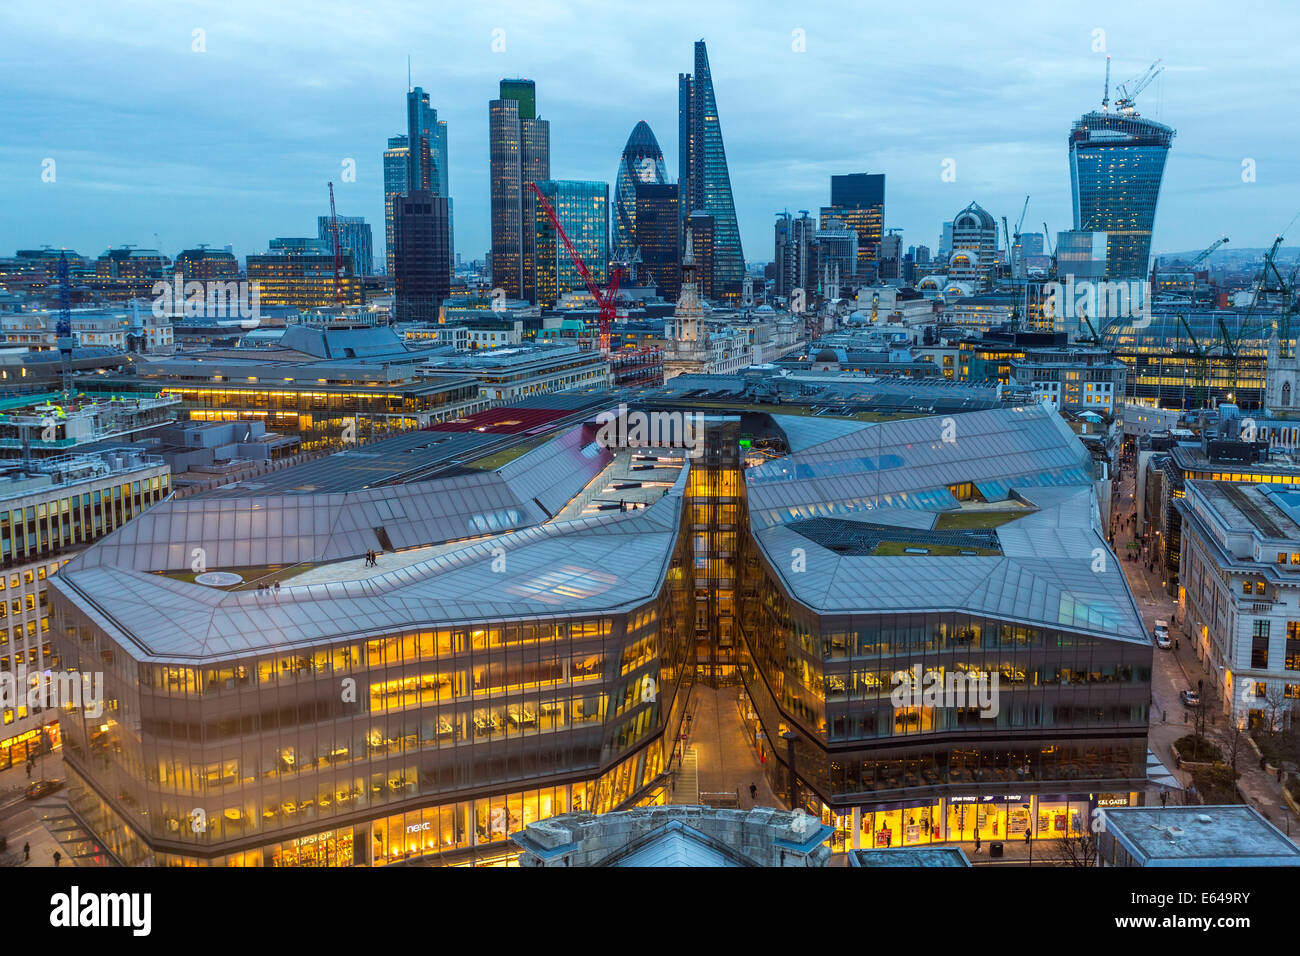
(1124,102)
(604,300)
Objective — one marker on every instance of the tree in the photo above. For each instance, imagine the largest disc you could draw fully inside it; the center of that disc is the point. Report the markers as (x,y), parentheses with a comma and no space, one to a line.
(1078,847)
(1234,741)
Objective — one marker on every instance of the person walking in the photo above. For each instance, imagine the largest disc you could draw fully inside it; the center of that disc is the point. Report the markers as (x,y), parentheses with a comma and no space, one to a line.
(977,842)
(57,857)
(27,852)
(753,792)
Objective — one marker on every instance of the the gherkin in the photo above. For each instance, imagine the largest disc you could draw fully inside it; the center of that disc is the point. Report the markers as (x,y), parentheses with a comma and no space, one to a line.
(642,163)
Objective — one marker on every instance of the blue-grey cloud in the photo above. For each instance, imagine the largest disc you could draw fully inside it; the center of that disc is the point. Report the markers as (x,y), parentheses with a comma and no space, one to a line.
(235,144)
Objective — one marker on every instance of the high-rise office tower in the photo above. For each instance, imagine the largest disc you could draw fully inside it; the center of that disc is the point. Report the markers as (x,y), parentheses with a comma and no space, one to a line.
(794,253)
(704,180)
(422,267)
(657,236)
(1117,160)
(519,147)
(858,201)
(394,186)
(703,228)
(890,258)
(835,258)
(642,162)
(427,162)
(354,238)
(582,208)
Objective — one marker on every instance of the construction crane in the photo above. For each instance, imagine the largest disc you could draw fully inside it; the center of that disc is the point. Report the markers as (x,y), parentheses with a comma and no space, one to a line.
(1197,260)
(63,329)
(1202,362)
(604,300)
(338,250)
(1125,101)
(1105,96)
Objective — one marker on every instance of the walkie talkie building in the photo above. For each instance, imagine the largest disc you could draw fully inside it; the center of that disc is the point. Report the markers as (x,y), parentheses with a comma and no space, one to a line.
(1116,164)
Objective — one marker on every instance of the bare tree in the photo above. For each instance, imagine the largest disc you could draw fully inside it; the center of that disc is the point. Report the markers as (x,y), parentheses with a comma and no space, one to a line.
(1078,848)
(1234,741)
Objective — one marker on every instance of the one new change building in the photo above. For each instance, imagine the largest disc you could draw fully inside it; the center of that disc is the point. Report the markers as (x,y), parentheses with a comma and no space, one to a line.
(527,643)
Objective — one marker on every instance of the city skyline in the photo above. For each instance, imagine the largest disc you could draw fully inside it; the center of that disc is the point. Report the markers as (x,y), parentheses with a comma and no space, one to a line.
(242,167)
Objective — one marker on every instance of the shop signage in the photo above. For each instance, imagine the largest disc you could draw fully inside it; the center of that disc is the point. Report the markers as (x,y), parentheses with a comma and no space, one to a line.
(417,827)
(1112,799)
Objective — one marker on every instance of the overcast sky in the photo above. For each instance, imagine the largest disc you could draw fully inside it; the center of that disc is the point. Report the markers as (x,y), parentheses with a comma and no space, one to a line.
(155,144)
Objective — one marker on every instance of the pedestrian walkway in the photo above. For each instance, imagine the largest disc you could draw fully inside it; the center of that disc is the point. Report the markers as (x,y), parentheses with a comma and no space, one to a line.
(727,763)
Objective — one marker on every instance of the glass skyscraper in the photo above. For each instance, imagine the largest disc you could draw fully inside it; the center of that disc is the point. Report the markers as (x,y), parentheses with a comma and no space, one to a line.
(394,186)
(858,201)
(1116,162)
(704,180)
(642,163)
(583,210)
(354,237)
(519,147)
(426,166)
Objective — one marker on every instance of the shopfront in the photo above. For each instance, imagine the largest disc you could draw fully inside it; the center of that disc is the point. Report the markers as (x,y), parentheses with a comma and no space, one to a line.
(963,819)
(913,823)
(14,750)
(331,848)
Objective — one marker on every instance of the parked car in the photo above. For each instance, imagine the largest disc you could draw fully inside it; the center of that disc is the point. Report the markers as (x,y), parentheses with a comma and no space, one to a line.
(42,788)
(1191,698)
(1161,635)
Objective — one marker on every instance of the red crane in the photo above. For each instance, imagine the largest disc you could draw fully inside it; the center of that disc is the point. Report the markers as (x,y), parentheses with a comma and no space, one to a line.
(604,300)
(338,250)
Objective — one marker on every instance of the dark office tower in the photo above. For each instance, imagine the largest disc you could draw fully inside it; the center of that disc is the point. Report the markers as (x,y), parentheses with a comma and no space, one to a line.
(703,231)
(858,201)
(583,210)
(394,186)
(519,153)
(704,181)
(642,163)
(1117,160)
(427,163)
(657,236)
(422,268)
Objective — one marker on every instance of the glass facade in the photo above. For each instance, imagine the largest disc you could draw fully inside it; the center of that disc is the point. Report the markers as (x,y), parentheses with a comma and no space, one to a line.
(207,763)
(582,208)
(357,739)
(519,146)
(1116,163)
(1166,367)
(394,185)
(858,201)
(1073,708)
(642,163)
(704,178)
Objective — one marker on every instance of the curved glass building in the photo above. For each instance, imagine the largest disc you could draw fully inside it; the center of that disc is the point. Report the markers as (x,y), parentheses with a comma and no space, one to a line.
(1116,163)
(642,163)
(527,646)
